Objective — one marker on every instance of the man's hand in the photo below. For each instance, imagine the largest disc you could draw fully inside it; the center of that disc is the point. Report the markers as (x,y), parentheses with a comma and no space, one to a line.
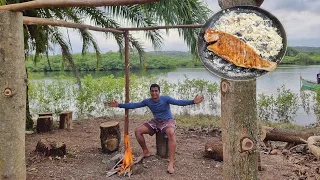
(198,99)
(113,103)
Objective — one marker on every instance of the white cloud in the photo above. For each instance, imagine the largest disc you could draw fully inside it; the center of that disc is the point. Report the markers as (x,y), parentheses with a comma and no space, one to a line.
(300,19)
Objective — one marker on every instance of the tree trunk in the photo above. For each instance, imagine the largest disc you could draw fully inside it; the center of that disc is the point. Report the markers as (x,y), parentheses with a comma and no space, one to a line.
(239,129)
(230,3)
(162,145)
(110,136)
(65,120)
(13,89)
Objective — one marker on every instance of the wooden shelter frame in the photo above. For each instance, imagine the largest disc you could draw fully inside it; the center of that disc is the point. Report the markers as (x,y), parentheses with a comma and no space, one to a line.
(125,31)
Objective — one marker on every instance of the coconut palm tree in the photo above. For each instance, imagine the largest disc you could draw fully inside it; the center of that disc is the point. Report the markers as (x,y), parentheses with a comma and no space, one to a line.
(39,40)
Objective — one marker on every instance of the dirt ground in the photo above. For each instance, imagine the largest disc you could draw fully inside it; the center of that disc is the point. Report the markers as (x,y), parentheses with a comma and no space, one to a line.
(85,160)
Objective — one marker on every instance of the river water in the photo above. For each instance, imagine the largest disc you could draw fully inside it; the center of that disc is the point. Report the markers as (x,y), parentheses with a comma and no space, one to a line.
(289,76)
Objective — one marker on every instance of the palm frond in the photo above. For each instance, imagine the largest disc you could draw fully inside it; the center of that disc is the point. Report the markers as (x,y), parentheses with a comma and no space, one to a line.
(57,38)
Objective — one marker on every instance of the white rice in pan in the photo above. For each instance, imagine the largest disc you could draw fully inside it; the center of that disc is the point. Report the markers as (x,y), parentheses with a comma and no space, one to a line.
(254,30)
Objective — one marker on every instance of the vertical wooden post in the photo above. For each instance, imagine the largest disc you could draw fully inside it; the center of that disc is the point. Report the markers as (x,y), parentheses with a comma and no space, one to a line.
(127,74)
(13,87)
(239,129)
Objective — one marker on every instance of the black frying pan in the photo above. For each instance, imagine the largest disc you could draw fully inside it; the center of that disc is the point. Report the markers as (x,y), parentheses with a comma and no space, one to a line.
(224,69)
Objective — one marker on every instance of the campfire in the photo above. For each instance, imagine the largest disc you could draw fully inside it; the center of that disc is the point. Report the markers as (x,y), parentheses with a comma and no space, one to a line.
(127,161)
(126,167)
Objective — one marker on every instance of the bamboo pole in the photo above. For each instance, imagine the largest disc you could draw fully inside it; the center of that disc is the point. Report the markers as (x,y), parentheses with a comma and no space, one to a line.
(127,74)
(52,22)
(70,3)
(162,27)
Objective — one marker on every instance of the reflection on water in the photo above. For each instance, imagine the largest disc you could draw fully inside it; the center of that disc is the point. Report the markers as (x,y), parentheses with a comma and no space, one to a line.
(268,84)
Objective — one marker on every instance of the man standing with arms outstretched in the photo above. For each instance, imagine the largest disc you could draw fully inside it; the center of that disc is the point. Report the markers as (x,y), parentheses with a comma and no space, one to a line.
(162,120)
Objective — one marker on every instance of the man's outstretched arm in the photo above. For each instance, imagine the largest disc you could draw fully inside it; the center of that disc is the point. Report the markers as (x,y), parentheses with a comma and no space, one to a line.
(196,100)
(114,103)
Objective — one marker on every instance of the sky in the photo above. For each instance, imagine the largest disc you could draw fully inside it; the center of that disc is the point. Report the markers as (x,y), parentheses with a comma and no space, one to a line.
(300,18)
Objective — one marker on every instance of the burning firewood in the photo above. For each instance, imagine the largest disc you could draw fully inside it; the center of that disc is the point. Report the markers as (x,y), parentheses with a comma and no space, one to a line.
(126,167)
(126,161)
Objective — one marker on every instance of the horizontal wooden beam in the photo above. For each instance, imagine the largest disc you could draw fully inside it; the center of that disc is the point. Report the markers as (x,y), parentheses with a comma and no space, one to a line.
(52,22)
(70,3)
(162,27)
(44,21)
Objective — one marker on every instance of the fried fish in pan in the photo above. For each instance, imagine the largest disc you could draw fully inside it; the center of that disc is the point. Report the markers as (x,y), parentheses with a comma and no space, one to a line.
(235,51)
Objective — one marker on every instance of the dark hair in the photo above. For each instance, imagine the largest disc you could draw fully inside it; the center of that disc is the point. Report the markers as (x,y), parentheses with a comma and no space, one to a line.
(155,85)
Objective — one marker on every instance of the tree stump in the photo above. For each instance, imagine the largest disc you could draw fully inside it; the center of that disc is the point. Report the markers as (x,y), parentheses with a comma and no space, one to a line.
(162,144)
(45,114)
(65,120)
(44,124)
(51,148)
(110,136)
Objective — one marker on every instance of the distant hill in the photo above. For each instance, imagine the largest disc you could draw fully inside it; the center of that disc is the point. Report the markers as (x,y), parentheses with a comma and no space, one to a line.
(306,48)
(180,54)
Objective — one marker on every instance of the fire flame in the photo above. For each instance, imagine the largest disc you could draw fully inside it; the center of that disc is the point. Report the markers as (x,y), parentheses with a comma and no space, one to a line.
(128,157)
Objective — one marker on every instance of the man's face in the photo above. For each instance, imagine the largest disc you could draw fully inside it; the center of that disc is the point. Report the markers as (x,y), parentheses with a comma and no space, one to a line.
(154,92)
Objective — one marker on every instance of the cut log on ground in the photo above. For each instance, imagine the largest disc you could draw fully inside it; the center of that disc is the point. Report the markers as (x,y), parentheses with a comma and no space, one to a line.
(314,145)
(162,145)
(51,148)
(293,137)
(65,120)
(110,136)
(45,114)
(44,124)
(214,150)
